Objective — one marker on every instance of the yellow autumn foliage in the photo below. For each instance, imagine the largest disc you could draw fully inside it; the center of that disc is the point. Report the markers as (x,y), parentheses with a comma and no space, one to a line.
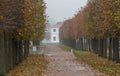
(34,20)
(1,17)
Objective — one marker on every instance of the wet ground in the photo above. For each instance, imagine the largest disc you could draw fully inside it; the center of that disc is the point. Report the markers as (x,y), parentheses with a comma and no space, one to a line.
(62,63)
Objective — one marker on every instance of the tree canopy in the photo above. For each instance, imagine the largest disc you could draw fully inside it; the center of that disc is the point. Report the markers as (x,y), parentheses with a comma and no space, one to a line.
(34,20)
(26,17)
(98,19)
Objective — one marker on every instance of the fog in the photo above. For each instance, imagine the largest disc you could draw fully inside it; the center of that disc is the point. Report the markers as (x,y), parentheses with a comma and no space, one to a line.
(59,10)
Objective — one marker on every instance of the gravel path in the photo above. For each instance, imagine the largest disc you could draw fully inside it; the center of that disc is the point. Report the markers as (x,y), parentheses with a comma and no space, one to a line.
(62,63)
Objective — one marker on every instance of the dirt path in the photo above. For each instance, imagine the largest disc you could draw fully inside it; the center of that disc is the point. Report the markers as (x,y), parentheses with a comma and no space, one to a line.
(63,63)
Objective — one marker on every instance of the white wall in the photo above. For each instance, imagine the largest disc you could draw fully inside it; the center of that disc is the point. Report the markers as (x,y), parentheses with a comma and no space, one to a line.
(55,34)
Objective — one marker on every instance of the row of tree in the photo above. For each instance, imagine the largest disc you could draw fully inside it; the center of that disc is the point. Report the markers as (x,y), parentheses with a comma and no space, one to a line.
(21,21)
(95,28)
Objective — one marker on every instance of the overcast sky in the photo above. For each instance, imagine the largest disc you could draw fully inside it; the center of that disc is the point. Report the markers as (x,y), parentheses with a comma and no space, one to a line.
(57,10)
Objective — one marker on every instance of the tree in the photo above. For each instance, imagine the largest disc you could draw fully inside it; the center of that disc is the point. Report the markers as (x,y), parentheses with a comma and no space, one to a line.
(97,23)
(34,20)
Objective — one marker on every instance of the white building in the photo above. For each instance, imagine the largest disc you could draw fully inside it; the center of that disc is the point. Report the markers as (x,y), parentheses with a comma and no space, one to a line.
(53,33)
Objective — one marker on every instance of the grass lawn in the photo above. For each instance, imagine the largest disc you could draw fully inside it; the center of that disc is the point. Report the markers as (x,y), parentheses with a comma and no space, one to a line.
(103,65)
(34,65)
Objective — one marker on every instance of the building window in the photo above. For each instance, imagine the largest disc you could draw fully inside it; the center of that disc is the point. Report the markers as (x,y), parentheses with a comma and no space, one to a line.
(54,38)
(54,30)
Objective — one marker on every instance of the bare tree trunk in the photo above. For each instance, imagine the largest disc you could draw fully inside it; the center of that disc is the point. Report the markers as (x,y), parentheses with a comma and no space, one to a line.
(116,49)
(110,48)
(105,48)
(11,50)
(2,56)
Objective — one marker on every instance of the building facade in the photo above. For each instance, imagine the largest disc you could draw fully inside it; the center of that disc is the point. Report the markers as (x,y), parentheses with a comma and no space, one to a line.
(52,33)
(55,32)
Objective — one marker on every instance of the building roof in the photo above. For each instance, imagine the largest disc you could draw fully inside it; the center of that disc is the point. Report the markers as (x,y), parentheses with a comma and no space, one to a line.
(57,25)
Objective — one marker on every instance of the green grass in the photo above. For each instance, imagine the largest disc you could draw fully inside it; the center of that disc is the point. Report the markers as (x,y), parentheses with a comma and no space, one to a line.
(65,48)
(103,65)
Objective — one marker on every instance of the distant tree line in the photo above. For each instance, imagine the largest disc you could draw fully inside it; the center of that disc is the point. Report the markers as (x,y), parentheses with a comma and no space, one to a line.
(21,21)
(95,28)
